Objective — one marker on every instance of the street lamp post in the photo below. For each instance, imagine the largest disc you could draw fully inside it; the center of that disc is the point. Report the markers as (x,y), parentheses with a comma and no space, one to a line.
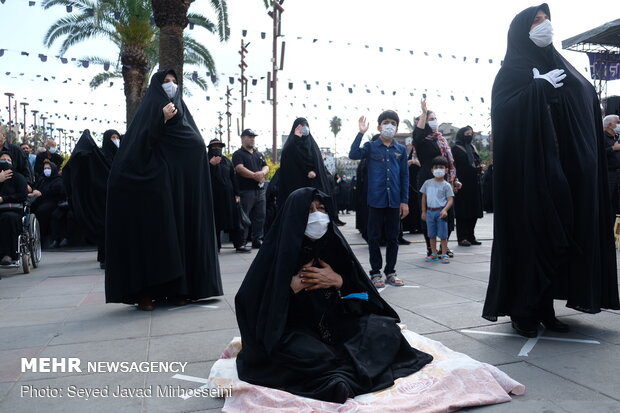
(10,95)
(34,120)
(44,118)
(25,105)
(51,126)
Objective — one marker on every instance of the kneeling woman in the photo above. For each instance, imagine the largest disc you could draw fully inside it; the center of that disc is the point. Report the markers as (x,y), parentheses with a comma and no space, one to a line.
(311,321)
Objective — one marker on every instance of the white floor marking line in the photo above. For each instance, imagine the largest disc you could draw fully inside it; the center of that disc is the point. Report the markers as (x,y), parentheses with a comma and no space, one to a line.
(531,342)
(189,305)
(194,379)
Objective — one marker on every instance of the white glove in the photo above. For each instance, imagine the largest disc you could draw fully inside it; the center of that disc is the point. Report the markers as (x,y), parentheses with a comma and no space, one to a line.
(554,77)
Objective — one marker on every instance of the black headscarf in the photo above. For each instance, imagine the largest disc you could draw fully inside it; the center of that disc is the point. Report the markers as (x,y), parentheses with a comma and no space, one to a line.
(107,146)
(552,224)
(160,205)
(464,142)
(301,155)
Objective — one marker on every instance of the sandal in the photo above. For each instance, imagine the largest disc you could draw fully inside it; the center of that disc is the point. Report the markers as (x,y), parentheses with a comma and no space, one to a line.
(445,259)
(377,281)
(450,253)
(432,257)
(394,281)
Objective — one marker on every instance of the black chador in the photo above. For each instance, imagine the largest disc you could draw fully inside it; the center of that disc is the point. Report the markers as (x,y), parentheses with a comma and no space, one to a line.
(324,344)
(160,232)
(86,179)
(552,231)
(300,155)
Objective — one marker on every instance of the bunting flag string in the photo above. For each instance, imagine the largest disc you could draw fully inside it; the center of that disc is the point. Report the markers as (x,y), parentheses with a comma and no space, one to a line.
(84,63)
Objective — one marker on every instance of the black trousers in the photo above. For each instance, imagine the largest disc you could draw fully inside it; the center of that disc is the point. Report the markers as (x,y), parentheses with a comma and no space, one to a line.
(388,220)
(10,228)
(465,229)
(236,237)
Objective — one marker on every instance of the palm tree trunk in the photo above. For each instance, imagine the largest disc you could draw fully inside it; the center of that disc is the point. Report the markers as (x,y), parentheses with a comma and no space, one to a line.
(171,18)
(134,62)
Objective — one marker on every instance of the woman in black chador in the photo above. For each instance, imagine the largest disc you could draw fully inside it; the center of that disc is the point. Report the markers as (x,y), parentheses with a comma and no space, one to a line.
(311,321)
(467,201)
(160,232)
(552,231)
(302,163)
(86,180)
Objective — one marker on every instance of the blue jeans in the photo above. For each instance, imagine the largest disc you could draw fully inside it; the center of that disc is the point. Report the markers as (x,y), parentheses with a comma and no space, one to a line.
(378,219)
(436,227)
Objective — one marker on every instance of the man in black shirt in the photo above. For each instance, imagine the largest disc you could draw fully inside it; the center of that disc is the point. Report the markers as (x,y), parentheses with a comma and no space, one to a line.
(251,170)
(611,123)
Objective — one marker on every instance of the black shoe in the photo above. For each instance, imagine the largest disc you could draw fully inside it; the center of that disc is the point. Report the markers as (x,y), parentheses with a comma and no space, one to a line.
(475,242)
(6,260)
(244,249)
(465,243)
(102,265)
(257,244)
(403,241)
(525,329)
(450,253)
(53,244)
(63,243)
(553,324)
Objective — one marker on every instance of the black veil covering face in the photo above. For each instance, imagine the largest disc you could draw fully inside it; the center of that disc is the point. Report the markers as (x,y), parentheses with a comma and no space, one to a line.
(552,232)
(301,155)
(160,231)
(108,147)
(468,200)
(306,343)
(85,177)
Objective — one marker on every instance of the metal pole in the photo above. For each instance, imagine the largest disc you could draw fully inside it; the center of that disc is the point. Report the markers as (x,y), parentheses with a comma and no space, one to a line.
(44,118)
(10,95)
(243,81)
(275,15)
(25,104)
(228,115)
(34,119)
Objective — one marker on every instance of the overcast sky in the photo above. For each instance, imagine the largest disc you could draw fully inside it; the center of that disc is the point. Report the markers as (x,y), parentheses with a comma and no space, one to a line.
(327,41)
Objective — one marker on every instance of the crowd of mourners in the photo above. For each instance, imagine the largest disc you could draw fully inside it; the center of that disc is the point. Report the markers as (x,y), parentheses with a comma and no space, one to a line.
(311,317)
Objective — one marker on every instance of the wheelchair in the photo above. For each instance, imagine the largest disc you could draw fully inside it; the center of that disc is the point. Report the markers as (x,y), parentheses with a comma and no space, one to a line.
(28,242)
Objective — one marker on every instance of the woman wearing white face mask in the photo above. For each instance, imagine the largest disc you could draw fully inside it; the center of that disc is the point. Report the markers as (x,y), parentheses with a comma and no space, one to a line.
(48,192)
(430,143)
(111,142)
(305,307)
(552,236)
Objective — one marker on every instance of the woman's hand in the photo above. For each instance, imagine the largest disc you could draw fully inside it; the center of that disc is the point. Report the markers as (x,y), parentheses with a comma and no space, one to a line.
(6,175)
(169,111)
(317,278)
(296,281)
(311,175)
(215,160)
(34,193)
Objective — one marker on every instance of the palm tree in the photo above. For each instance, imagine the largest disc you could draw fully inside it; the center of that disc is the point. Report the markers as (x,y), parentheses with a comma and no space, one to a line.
(335,124)
(127,24)
(171,17)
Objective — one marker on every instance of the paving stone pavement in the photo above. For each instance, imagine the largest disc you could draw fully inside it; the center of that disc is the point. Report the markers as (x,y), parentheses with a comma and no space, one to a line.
(59,310)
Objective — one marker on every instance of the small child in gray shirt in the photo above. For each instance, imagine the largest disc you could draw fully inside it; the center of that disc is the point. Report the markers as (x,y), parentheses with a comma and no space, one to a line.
(437,199)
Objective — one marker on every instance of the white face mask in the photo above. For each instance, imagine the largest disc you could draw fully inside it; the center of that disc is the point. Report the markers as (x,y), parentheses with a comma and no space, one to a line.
(170,88)
(388,131)
(317,225)
(617,128)
(305,130)
(439,173)
(47,172)
(434,125)
(542,35)
(53,149)
(116,142)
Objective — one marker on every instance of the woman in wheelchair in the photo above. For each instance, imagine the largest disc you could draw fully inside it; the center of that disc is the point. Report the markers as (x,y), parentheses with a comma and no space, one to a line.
(49,192)
(12,196)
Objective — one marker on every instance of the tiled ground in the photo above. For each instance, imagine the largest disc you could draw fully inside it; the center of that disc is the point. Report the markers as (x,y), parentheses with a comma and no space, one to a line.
(58,311)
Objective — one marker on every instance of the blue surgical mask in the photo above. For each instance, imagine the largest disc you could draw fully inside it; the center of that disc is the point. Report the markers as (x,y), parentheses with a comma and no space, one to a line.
(439,173)
(53,149)
(305,130)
